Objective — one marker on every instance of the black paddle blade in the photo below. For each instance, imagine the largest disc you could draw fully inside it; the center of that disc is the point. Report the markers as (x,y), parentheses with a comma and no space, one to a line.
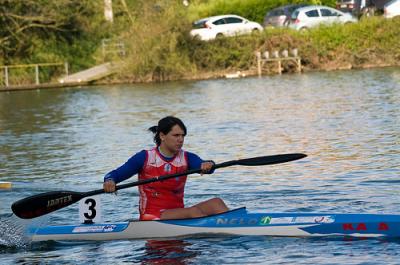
(269,160)
(44,203)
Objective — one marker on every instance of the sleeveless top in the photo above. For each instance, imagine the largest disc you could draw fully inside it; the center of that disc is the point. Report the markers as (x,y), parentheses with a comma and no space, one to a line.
(161,195)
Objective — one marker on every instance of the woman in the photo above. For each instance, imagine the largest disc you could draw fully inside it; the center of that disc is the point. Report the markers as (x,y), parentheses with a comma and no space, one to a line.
(164,199)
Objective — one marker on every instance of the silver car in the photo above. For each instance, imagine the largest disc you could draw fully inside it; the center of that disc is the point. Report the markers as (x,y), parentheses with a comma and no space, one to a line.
(312,16)
(280,16)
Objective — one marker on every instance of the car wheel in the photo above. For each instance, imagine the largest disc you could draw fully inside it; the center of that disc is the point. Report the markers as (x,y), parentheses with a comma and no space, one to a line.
(219,35)
(197,37)
(303,29)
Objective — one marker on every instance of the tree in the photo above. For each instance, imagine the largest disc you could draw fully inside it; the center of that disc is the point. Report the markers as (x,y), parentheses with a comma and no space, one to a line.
(25,24)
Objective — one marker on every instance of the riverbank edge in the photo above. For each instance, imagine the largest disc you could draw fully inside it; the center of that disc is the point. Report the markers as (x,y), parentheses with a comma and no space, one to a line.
(223,74)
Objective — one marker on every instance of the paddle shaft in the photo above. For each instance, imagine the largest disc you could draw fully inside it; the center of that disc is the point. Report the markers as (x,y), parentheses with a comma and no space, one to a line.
(41,204)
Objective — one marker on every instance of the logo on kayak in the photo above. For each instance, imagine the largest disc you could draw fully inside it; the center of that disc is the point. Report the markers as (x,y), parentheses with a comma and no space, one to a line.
(94,229)
(265,220)
(302,220)
(61,200)
(237,221)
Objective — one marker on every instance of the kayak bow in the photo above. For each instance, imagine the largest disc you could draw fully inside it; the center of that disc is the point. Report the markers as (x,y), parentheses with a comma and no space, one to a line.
(235,222)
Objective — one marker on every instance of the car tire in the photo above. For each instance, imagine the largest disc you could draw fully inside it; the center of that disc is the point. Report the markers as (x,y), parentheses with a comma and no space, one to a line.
(303,29)
(196,37)
(219,35)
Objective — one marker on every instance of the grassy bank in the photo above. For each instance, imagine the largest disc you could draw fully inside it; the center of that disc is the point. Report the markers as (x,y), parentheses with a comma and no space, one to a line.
(159,47)
(371,42)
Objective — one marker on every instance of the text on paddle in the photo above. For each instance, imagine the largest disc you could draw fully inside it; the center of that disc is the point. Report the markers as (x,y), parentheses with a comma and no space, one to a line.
(59,201)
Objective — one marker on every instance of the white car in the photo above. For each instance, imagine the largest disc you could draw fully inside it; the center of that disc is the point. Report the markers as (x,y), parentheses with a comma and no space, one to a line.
(392,9)
(225,25)
(312,16)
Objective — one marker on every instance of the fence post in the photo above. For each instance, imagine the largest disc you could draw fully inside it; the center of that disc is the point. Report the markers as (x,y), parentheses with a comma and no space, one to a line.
(258,55)
(37,74)
(280,66)
(6,75)
(66,68)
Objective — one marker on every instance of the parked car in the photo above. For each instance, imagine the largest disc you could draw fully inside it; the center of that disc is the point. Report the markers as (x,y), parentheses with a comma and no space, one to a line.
(225,25)
(280,16)
(392,9)
(361,8)
(345,5)
(312,16)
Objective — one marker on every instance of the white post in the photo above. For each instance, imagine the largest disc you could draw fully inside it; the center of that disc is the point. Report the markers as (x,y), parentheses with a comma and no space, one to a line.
(66,68)
(6,75)
(37,74)
(108,12)
(258,55)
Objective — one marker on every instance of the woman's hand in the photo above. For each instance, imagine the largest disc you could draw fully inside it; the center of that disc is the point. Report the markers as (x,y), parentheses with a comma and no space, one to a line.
(109,186)
(206,167)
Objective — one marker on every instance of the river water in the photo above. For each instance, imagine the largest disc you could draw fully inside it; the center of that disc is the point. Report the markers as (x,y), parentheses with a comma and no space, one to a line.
(348,122)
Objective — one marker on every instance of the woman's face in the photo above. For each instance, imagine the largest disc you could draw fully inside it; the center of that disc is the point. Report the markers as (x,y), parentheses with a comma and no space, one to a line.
(172,142)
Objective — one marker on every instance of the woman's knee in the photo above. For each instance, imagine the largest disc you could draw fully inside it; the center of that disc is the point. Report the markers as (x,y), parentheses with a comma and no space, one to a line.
(196,212)
(218,203)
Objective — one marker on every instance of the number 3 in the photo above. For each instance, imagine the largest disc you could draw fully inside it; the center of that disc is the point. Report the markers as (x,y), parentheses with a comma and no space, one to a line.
(92,204)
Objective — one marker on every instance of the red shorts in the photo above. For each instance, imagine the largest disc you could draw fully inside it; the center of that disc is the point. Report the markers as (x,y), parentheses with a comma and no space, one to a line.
(153,214)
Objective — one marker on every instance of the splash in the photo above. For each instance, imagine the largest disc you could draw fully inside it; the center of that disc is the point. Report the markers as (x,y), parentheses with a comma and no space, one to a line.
(14,231)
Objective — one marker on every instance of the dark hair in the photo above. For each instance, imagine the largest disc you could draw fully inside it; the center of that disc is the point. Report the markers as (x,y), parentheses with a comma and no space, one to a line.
(165,126)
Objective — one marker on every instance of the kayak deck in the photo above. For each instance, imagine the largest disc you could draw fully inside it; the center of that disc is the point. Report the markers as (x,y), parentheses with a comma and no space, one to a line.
(235,222)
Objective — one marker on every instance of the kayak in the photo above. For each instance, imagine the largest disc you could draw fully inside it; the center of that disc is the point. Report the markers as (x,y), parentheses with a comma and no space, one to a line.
(234,222)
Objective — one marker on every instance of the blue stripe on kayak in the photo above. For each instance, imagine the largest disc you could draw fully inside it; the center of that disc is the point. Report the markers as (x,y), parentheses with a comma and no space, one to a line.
(79,229)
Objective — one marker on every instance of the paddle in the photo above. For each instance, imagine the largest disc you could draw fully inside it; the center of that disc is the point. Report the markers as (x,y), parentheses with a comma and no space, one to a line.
(44,203)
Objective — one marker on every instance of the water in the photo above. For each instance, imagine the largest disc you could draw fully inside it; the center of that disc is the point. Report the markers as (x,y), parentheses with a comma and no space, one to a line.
(347,122)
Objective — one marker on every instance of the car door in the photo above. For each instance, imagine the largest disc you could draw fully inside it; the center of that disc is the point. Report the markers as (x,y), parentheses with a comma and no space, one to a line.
(220,27)
(236,25)
(313,18)
(329,16)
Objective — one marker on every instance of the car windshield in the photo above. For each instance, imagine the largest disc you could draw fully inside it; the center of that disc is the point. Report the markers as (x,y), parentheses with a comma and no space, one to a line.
(199,24)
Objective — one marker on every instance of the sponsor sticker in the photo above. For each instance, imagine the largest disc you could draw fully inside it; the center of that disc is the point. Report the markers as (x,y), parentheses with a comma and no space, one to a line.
(266,220)
(94,229)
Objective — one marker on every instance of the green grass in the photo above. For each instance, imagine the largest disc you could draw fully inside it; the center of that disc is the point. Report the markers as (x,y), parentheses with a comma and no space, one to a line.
(159,46)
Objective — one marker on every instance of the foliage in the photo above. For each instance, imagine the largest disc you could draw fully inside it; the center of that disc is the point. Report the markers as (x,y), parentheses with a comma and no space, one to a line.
(48,31)
(158,45)
(254,10)
(157,41)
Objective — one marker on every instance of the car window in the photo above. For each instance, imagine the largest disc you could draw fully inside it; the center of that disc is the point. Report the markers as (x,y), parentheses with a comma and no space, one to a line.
(295,14)
(231,20)
(280,12)
(328,13)
(312,13)
(272,13)
(219,22)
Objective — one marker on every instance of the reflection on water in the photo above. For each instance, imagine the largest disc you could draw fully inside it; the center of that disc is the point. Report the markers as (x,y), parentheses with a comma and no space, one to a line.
(347,122)
(167,252)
